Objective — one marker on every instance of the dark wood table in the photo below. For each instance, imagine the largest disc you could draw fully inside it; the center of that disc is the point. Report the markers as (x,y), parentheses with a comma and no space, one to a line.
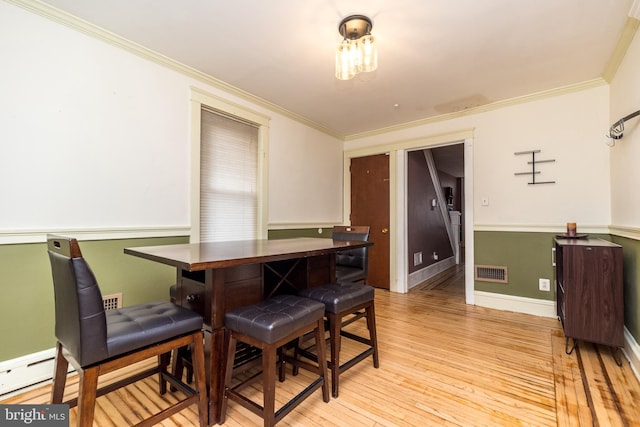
(215,277)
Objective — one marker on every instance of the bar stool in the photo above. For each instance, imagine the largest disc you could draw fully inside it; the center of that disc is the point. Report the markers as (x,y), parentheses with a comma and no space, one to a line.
(269,325)
(344,300)
(96,341)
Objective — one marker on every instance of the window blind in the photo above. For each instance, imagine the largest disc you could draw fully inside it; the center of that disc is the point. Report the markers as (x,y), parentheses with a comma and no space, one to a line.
(228,178)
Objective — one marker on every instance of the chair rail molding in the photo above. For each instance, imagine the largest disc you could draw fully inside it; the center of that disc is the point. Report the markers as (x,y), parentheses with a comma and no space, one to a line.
(8,237)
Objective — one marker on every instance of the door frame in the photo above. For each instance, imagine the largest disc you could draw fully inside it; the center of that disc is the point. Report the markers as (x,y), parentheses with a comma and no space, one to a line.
(397,152)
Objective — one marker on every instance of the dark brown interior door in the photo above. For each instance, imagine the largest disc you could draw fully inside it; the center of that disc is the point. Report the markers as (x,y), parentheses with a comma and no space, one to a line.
(370,206)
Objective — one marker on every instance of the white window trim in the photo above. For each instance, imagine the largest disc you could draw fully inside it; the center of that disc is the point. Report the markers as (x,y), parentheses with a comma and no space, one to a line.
(199,99)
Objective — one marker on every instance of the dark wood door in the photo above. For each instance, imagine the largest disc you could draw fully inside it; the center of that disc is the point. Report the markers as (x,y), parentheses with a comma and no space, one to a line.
(370,206)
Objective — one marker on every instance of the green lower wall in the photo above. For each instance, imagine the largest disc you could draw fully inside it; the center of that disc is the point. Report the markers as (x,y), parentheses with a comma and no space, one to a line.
(631,256)
(527,257)
(26,305)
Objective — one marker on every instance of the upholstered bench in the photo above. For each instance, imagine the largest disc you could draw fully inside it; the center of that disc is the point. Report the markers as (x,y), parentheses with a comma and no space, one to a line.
(269,325)
(353,301)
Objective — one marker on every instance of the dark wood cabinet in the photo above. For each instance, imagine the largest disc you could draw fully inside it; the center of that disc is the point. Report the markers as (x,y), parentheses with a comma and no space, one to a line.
(588,277)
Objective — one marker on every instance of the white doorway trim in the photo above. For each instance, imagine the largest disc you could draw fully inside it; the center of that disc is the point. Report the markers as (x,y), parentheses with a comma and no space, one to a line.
(397,203)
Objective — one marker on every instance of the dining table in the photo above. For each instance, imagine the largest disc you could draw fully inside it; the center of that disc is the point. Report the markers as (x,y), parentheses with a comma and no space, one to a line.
(214,277)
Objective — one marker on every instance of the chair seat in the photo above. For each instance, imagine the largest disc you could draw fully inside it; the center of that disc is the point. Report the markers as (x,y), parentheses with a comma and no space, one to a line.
(339,297)
(131,328)
(275,318)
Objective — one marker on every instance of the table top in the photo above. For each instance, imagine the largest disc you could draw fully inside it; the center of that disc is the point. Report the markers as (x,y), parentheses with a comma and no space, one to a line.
(202,256)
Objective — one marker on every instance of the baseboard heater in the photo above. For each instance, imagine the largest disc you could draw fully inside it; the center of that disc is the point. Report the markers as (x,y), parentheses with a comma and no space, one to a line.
(24,372)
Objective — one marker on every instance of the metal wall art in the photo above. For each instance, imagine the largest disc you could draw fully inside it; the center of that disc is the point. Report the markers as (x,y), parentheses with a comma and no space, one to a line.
(533,172)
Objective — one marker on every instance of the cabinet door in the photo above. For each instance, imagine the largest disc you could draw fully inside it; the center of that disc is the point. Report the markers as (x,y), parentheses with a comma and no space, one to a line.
(593,294)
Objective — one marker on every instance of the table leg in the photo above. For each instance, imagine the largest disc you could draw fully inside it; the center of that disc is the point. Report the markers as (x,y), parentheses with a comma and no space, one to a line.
(214,359)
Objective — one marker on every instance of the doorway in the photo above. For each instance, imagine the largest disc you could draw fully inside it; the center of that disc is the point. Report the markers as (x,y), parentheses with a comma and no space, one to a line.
(397,187)
(434,211)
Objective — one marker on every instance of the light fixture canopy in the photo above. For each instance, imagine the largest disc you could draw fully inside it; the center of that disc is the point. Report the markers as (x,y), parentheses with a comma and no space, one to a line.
(357,52)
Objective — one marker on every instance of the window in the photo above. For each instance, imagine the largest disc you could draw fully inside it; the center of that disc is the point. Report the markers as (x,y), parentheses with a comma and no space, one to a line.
(228,170)
(228,178)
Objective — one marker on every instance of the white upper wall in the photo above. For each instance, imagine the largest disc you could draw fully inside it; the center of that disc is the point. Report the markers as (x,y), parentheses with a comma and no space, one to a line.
(568,128)
(93,136)
(625,155)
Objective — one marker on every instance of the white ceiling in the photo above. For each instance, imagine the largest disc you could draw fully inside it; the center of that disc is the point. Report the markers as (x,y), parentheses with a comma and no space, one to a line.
(435,56)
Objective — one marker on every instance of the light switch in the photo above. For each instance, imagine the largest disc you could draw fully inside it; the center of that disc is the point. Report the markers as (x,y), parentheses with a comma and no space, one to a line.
(485,201)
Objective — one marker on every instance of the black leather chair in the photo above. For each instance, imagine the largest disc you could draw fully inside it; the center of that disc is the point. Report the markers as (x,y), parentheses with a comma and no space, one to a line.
(344,304)
(352,265)
(95,341)
(269,325)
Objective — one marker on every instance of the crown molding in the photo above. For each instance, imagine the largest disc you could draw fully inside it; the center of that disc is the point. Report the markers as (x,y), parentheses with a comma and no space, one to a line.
(75,23)
(626,37)
(634,12)
(589,84)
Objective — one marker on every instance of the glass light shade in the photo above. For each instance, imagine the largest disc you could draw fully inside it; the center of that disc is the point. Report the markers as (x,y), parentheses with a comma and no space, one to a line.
(346,60)
(356,56)
(368,53)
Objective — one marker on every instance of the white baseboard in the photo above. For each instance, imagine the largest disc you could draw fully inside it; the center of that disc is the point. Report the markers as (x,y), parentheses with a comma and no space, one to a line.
(420,276)
(537,307)
(632,352)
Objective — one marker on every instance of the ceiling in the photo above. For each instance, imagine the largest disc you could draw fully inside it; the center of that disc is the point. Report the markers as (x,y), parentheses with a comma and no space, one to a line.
(434,56)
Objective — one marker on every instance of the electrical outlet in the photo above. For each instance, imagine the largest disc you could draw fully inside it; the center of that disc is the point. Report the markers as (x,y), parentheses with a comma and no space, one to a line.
(544,285)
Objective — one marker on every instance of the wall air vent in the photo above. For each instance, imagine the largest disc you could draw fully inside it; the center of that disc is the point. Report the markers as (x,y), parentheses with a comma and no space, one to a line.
(491,273)
(112,301)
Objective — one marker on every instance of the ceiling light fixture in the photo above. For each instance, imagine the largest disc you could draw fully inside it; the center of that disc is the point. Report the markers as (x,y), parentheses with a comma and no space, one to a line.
(357,52)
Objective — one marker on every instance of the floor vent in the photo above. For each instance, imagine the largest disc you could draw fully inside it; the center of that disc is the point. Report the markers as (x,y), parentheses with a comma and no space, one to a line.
(491,273)
(112,301)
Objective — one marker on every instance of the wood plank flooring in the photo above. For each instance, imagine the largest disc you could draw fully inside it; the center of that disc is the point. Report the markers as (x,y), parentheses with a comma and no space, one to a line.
(442,362)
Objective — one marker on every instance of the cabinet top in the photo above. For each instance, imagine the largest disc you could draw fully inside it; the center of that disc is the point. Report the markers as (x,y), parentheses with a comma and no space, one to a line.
(585,242)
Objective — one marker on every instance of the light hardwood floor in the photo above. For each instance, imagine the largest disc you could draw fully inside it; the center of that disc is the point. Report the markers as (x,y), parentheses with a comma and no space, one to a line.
(442,362)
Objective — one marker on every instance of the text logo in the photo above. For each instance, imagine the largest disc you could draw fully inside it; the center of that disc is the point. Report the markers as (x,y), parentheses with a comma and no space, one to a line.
(34,415)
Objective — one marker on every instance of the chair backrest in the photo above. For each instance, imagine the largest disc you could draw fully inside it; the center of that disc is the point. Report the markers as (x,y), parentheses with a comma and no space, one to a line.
(356,258)
(81,325)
